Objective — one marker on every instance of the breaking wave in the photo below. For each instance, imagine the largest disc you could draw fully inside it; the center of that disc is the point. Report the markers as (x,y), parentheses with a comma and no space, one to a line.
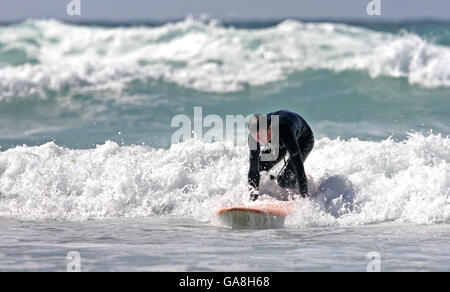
(359,182)
(37,56)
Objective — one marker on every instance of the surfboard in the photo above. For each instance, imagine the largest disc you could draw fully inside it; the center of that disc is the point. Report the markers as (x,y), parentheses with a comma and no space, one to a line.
(257,215)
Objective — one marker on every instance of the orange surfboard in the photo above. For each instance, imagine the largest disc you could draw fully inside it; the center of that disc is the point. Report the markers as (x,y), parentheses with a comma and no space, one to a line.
(257,215)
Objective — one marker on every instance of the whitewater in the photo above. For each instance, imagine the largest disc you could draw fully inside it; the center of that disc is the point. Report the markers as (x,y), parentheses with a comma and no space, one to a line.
(50,55)
(373,182)
(143,209)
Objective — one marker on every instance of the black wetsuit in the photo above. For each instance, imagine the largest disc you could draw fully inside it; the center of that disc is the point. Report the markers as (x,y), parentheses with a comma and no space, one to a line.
(295,138)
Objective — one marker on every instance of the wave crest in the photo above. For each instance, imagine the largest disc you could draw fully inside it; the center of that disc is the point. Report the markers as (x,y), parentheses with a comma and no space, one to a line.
(41,55)
(359,182)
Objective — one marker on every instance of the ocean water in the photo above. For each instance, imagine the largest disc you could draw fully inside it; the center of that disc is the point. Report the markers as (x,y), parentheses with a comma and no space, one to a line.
(87,164)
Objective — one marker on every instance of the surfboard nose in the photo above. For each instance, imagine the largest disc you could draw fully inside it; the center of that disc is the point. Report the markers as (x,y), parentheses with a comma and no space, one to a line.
(257,215)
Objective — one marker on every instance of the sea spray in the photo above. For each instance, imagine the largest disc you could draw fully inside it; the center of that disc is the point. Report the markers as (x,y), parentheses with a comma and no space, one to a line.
(38,57)
(359,182)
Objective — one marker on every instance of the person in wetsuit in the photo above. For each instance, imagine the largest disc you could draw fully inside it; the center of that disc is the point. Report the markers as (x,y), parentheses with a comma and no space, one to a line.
(294,137)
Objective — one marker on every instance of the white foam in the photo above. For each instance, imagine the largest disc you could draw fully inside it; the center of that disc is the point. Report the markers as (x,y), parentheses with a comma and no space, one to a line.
(208,57)
(359,182)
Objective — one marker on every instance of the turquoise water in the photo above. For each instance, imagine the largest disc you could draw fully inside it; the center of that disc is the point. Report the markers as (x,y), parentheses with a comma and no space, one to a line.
(85,142)
(81,85)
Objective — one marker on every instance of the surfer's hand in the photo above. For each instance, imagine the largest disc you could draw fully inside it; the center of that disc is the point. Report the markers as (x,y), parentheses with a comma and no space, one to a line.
(254,194)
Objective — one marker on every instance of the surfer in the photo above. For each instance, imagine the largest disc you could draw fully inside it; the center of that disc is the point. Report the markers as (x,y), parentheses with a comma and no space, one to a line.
(294,137)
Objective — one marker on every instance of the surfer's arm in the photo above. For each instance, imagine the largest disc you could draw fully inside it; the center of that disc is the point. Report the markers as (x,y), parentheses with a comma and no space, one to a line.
(289,139)
(253,173)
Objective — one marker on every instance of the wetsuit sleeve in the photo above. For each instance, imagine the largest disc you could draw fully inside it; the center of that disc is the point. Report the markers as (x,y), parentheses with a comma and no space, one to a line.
(253,173)
(288,138)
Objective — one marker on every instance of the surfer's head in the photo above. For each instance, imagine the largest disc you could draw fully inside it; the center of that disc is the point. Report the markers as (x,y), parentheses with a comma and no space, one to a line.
(260,128)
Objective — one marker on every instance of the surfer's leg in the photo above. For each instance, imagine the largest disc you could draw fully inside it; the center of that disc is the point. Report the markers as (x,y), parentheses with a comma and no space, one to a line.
(306,144)
(287,178)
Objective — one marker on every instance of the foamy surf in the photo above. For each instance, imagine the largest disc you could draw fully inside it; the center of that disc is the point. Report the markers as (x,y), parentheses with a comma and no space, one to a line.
(48,55)
(359,182)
